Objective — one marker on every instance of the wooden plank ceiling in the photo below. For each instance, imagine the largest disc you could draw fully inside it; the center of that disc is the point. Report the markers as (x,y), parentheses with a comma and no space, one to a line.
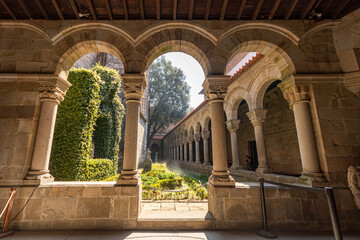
(176,9)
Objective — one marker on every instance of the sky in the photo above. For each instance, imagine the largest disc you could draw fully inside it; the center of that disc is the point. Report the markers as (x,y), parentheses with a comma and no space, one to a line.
(194,73)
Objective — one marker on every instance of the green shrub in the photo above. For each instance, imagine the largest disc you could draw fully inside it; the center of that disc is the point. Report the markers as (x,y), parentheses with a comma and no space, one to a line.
(169,184)
(75,125)
(98,169)
(112,178)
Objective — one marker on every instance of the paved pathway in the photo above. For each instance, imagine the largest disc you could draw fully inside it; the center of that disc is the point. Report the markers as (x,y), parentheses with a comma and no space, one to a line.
(170,235)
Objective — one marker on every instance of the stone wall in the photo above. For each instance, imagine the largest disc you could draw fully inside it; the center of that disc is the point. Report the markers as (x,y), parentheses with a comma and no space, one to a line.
(62,206)
(19,111)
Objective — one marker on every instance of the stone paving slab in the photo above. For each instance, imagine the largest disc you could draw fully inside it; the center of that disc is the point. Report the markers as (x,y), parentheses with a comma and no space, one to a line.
(170,235)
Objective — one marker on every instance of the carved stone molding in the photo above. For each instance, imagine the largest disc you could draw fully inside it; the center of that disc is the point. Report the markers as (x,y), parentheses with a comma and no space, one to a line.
(53,89)
(353,177)
(294,92)
(205,134)
(257,117)
(215,86)
(190,139)
(134,86)
(197,137)
(233,125)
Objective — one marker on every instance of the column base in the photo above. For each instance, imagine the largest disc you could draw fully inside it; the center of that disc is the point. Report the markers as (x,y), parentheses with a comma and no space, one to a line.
(129,178)
(263,170)
(221,179)
(197,162)
(207,164)
(38,177)
(314,179)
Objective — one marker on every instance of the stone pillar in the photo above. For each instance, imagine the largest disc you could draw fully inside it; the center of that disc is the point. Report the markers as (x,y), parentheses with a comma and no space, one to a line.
(197,148)
(134,85)
(181,151)
(51,93)
(215,89)
(233,126)
(185,150)
(191,158)
(205,135)
(257,118)
(178,152)
(299,100)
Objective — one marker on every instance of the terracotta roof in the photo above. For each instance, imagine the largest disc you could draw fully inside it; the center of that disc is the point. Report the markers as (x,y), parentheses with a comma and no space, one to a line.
(246,66)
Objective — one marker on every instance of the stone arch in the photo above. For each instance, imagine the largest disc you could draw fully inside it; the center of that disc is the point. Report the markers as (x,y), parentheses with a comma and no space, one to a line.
(69,57)
(191,131)
(197,127)
(29,26)
(233,99)
(206,122)
(177,46)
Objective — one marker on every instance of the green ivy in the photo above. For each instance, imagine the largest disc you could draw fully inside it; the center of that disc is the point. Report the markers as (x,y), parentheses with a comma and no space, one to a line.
(98,169)
(108,126)
(75,125)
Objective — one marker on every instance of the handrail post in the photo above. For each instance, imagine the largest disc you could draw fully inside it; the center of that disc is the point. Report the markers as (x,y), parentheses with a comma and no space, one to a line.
(4,231)
(264,232)
(333,213)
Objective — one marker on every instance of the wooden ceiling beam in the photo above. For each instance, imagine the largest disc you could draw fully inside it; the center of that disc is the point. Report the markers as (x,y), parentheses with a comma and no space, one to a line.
(92,10)
(73,6)
(141,8)
(191,9)
(207,10)
(291,9)
(57,9)
(307,9)
(241,9)
(25,8)
(223,10)
(126,14)
(108,9)
(174,9)
(258,8)
(158,16)
(327,5)
(274,8)
(43,12)
(8,9)
(340,8)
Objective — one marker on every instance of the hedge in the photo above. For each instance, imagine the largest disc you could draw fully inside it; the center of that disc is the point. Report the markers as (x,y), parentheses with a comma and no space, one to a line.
(75,125)
(98,169)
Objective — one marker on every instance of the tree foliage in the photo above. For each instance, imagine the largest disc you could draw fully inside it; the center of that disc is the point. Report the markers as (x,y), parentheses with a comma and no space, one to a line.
(169,96)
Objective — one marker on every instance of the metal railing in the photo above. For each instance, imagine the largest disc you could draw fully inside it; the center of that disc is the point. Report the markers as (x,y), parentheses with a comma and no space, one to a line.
(328,191)
(7,210)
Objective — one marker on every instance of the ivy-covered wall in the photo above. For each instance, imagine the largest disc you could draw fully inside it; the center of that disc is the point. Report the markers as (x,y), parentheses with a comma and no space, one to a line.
(75,125)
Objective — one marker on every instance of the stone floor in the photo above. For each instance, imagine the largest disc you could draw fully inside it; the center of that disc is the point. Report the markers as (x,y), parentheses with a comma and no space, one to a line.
(170,235)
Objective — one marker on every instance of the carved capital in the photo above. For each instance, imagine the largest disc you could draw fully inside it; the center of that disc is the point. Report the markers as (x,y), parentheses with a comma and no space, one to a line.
(197,137)
(205,134)
(294,92)
(215,86)
(134,86)
(233,125)
(257,117)
(190,139)
(53,89)
(353,177)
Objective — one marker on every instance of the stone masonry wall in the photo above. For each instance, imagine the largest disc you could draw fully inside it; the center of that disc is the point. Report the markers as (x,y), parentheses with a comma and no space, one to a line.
(282,146)
(338,112)
(19,112)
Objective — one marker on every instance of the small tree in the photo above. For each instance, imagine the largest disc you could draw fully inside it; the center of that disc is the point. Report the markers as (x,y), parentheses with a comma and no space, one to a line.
(168,96)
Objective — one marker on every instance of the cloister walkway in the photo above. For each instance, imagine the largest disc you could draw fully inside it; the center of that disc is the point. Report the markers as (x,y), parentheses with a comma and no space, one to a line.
(173,235)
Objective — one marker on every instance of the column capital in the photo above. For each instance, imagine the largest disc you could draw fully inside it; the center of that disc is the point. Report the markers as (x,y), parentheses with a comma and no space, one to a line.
(205,134)
(215,86)
(190,138)
(257,117)
(197,137)
(53,89)
(293,91)
(233,125)
(134,86)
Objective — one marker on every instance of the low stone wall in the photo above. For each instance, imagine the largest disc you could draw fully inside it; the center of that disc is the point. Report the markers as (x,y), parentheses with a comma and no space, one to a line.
(75,205)
(287,209)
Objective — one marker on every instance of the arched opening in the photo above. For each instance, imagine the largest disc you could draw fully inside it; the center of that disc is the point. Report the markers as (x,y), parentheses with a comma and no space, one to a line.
(154,152)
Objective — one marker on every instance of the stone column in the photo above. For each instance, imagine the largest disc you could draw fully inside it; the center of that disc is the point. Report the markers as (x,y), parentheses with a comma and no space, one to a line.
(257,118)
(299,100)
(205,135)
(51,93)
(134,85)
(191,158)
(233,126)
(178,152)
(185,150)
(197,148)
(181,151)
(215,89)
